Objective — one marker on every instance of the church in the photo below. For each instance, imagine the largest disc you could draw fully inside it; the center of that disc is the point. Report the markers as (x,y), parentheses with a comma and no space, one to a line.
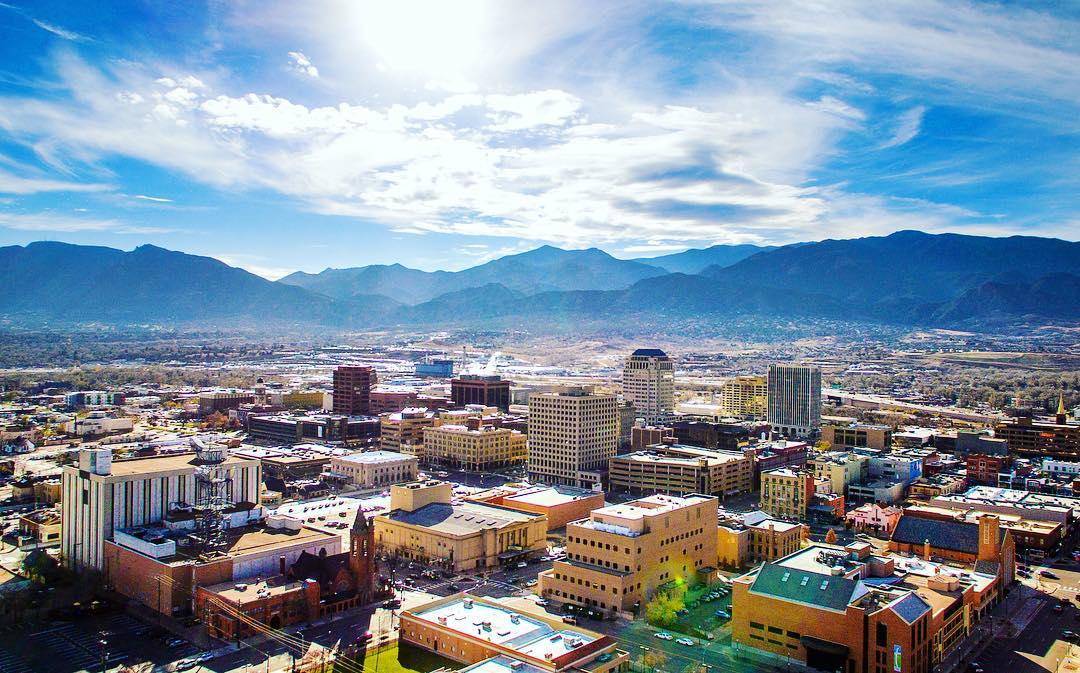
(313,587)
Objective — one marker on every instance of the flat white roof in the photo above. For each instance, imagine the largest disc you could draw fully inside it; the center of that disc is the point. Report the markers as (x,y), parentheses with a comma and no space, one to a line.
(370,457)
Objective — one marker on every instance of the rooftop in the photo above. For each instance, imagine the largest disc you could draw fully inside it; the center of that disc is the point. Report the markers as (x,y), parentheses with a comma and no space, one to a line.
(178,461)
(247,591)
(550,496)
(465,518)
(373,457)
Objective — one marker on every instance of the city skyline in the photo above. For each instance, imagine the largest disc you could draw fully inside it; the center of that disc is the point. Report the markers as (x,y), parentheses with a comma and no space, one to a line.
(281,138)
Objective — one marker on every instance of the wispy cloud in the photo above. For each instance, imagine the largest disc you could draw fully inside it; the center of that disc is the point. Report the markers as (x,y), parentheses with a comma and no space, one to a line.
(907,128)
(300,63)
(61,223)
(61,32)
(255,264)
(13,184)
(155,199)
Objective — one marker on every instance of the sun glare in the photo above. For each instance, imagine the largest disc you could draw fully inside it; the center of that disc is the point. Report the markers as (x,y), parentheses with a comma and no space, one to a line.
(440,40)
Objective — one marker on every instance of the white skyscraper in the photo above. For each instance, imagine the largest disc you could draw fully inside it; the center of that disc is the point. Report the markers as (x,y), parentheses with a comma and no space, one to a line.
(795,400)
(648,383)
(572,434)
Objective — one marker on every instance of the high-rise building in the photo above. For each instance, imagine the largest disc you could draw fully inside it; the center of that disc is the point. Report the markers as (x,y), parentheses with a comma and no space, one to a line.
(744,397)
(490,391)
(572,434)
(648,383)
(101,496)
(352,390)
(795,400)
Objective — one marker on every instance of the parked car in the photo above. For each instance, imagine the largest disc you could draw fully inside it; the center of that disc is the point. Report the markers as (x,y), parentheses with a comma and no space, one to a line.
(689,642)
(530,583)
(1048,575)
(722,614)
(664,635)
(186,664)
(569,619)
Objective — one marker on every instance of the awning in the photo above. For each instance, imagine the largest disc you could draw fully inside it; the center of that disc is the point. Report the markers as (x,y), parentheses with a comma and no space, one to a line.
(826,646)
(512,553)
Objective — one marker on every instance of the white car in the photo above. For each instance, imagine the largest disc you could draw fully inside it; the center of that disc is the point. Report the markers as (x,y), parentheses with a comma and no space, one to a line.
(663,635)
(689,642)
(186,664)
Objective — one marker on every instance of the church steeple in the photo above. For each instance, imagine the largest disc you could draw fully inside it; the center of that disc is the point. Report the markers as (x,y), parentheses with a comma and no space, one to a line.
(360,523)
(362,554)
(1061,417)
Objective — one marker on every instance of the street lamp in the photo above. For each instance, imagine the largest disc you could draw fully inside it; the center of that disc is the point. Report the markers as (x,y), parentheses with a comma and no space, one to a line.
(104,654)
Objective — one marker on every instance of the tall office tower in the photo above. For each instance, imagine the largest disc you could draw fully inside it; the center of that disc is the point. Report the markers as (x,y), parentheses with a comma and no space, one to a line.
(572,434)
(648,382)
(490,391)
(795,400)
(352,390)
(744,397)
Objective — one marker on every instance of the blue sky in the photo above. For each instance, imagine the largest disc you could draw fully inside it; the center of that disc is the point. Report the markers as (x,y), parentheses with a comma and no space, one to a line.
(279,135)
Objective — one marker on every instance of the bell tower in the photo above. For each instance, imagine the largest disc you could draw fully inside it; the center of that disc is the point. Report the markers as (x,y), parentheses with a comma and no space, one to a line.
(362,555)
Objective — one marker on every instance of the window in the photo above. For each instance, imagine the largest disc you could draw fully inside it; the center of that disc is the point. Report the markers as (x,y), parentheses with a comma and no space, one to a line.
(882,634)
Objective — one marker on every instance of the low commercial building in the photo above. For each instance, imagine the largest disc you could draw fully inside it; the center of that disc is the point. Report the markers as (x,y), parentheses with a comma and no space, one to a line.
(1024,504)
(862,435)
(711,435)
(1057,438)
(675,469)
(1026,533)
(41,528)
(746,539)
(847,609)
(223,400)
(620,556)
(403,432)
(290,428)
(289,463)
(927,488)
(928,535)
(874,518)
(93,398)
(474,446)
(472,629)
(983,470)
(889,491)
(560,504)
(424,524)
(99,424)
(839,468)
(373,469)
(786,493)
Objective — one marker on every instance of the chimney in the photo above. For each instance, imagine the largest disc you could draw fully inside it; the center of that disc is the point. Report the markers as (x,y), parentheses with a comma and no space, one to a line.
(926,550)
(281,564)
(989,537)
(473,422)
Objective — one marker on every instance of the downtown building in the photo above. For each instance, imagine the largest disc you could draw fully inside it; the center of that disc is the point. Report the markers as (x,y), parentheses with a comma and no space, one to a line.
(352,390)
(619,557)
(795,400)
(489,391)
(572,435)
(648,383)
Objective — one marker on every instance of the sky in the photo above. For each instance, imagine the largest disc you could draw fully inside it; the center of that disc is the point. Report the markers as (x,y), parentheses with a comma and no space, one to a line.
(282,136)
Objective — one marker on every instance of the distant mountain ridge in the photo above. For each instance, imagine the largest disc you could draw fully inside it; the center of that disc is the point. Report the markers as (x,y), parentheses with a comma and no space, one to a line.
(543,269)
(697,260)
(907,278)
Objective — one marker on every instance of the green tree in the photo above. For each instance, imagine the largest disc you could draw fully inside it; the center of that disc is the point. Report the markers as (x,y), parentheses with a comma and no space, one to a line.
(663,609)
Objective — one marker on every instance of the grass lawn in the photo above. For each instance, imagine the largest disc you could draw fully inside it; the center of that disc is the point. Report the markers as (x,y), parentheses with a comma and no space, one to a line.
(400,658)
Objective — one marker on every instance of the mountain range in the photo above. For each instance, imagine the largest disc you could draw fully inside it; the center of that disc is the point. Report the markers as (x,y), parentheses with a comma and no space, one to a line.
(907,278)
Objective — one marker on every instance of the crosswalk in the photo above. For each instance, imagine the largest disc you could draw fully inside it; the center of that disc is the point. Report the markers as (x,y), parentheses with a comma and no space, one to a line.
(13,663)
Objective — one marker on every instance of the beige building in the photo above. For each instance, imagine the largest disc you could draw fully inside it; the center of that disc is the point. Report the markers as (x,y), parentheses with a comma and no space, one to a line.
(473,446)
(648,384)
(101,496)
(403,432)
(572,434)
(622,554)
(786,493)
(675,469)
(372,469)
(471,629)
(840,469)
(857,435)
(745,397)
(751,538)
(423,524)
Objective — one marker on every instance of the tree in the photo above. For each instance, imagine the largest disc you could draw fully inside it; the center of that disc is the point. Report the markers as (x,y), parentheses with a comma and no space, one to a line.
(830,537)
(654,659)
(806,533)
(823,445)
(663,610)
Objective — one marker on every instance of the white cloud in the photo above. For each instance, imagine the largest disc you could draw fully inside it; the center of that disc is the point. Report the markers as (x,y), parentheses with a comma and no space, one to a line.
(300,63)
(60,223)
(156,199)
(255,264)
(60,32)
(907,128)
(13,184)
